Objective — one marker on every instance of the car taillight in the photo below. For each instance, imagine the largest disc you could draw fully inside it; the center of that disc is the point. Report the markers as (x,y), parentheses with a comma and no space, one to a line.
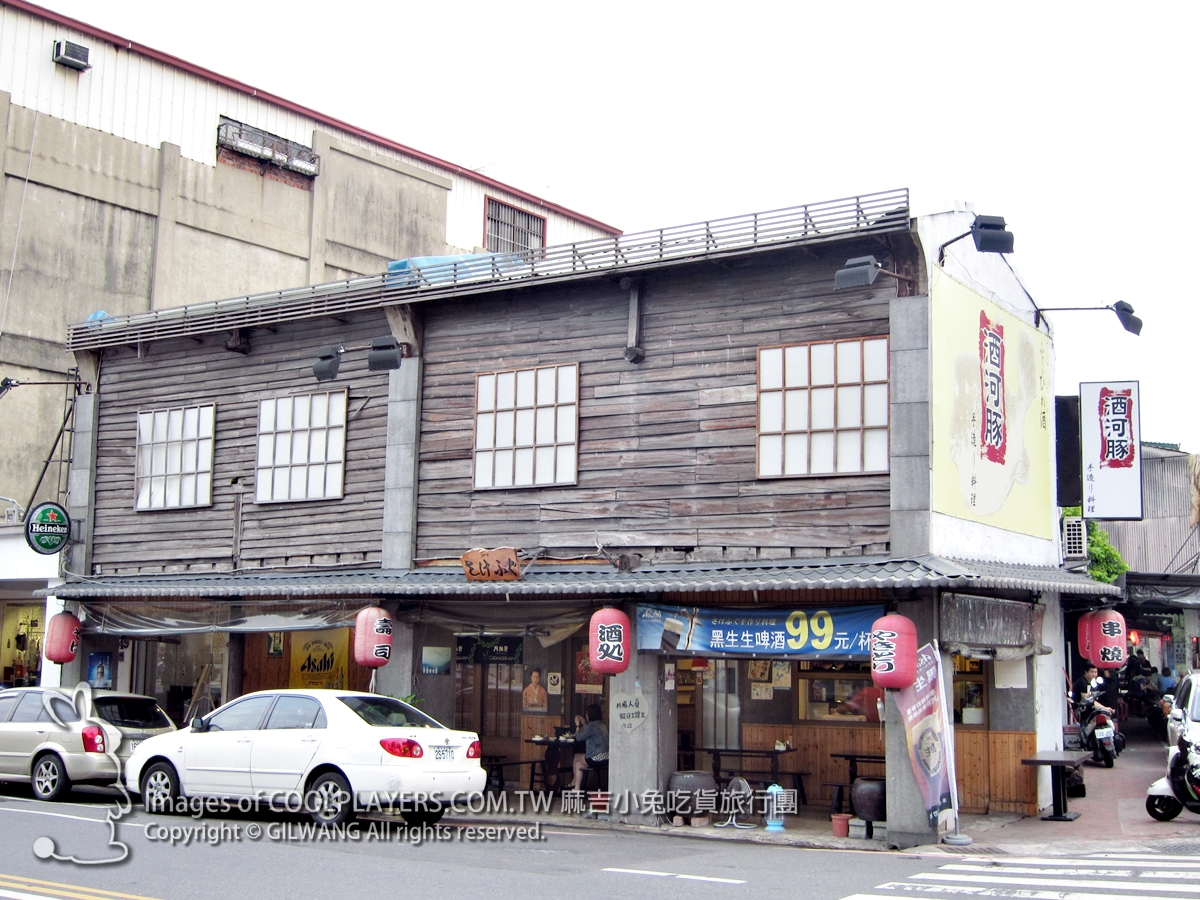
(473,750)
(93,739)
(1101,719)
(406,747)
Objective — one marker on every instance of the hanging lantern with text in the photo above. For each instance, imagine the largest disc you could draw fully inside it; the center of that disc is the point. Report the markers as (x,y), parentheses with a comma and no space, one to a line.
(372,637)
(1108,639)
(62,638)
(1083,643)
(608,641)
(893,652)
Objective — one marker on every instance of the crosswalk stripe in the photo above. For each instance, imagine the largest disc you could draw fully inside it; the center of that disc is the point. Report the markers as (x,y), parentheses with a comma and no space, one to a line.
(1157,856)
(1161,858)
(1056,882)
(943,890)
(1030,870)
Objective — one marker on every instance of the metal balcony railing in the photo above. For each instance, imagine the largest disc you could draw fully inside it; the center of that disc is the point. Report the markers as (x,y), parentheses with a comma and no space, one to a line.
(811,223)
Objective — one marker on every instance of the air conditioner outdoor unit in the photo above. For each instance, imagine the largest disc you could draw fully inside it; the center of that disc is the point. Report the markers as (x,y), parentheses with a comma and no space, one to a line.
(1074,537)
(71,55)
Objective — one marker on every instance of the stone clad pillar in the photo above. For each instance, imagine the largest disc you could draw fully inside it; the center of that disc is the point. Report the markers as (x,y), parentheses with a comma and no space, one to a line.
(643,758)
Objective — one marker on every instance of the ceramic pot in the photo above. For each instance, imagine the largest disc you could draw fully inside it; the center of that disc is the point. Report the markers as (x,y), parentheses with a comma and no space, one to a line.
(682,788)
(869,796)
(841,824)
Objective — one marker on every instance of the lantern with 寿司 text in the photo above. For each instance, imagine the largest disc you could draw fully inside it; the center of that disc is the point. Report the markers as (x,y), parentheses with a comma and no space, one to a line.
(608,641)
(893,652)
(62,638)
(372,637)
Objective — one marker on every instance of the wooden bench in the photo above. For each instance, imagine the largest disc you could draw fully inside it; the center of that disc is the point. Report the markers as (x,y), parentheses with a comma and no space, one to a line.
(839,794)
(537,772)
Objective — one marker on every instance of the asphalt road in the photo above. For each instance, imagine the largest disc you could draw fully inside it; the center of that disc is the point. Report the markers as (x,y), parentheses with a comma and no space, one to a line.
(266,856)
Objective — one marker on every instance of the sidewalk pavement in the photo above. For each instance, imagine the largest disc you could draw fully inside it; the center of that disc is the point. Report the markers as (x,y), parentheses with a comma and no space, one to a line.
(1112,818)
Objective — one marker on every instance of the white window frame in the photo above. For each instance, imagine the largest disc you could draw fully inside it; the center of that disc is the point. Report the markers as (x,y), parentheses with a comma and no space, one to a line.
(314,467)
(523,432)
(173,457)
(512,229)
(807,430)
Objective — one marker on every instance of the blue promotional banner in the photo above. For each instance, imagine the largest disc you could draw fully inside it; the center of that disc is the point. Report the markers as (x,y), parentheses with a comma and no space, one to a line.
(837,632)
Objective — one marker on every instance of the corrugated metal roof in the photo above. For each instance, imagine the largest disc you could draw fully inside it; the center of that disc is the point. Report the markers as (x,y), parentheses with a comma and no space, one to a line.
(551,580)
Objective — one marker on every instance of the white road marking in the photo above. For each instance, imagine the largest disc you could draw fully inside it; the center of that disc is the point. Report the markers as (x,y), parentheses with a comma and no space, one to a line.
(675,875)
(988,861)
(19,895)
(1006,869)
(590,834)
(1062,883)
(39,812)
(1155,856)
(942,890)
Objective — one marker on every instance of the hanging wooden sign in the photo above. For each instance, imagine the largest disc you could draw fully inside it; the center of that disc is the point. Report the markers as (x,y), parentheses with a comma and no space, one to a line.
(501,564)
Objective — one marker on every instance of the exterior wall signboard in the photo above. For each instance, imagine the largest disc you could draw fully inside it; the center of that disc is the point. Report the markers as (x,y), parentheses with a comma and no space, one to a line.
(991,413)
(47,528)
(841,632)
(1111,432)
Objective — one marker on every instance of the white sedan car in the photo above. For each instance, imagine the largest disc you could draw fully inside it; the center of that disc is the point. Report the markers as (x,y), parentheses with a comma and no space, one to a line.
(328,753)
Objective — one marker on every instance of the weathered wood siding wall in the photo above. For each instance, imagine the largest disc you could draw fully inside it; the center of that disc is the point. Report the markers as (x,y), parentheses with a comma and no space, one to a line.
(667,446)
(186,373)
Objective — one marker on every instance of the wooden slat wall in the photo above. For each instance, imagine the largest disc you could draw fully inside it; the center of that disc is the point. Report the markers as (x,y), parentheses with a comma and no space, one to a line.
(1013,786)
(813,745)
(666,447)
(187,373)
(972,768)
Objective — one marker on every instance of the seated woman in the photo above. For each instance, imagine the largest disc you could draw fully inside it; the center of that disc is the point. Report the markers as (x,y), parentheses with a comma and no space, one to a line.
(594,736)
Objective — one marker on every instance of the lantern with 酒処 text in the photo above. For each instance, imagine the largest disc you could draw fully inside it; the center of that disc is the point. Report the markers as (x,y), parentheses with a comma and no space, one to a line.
(372,637)
(608,641)
(893,652)
(1108,639)
(62,638)
(1083,643)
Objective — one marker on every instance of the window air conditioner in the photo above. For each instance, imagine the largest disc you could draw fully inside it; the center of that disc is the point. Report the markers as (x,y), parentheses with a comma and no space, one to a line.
(1074,537)
(71,55)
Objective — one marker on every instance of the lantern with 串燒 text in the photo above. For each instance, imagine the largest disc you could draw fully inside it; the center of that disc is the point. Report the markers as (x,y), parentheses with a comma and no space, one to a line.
(1108,639)
(62,638)
(893,652)
(372,637)
(608,641)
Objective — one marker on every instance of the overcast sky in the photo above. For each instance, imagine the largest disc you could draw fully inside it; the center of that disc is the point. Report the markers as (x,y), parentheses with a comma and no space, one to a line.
(1070,120)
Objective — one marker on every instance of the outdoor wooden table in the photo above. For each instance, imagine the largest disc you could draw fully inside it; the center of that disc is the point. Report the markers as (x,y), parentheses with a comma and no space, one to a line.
(1058,761)
(854,758)
(552,763)
(773,755)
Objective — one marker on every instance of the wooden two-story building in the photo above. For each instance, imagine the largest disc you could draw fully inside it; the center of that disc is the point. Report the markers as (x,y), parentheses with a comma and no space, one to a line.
(691,423)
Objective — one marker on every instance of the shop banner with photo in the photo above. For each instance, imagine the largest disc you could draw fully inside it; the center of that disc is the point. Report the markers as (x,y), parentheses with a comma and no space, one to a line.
(930,738)
(838,633)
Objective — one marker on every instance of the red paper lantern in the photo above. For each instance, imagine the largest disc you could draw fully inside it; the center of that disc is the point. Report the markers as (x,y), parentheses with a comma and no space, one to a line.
(62,638)
(893,652)
(608,641)
(372,637)
(1108,639)
(1084,635)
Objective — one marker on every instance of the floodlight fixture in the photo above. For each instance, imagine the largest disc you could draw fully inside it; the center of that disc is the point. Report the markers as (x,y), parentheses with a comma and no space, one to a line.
(329,359)
(386,353)
(862,271)
(989,234)
(1124,311)
(7,384)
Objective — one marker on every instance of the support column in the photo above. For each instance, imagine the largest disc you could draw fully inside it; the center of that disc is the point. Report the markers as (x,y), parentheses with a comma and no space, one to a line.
(164,228)
(911,393)
(396,678)
(642,759)
(81,481)
(316,228)
(400,466)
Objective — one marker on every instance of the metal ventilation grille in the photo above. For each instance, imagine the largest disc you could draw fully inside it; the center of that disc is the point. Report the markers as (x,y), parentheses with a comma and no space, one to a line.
(1074,537)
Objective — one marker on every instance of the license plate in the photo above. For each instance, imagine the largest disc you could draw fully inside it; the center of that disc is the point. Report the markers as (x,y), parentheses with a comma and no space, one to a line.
(133,745)
(443,753)
(1104,732)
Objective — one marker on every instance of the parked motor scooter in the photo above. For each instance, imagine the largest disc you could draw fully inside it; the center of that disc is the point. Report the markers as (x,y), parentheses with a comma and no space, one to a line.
(1180,789)
(1097,732)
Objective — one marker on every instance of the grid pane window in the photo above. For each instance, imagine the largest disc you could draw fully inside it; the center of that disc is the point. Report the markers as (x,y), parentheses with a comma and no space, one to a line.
(823,408)
(301,448)
(510,229)
(174,458)
(526,427)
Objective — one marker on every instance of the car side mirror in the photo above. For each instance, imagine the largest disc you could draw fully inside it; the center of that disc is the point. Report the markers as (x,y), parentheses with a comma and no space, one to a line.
(198,724)
(1177,715)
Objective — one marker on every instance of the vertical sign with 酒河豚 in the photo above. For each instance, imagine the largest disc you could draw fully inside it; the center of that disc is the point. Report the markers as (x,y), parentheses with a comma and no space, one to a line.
(993,429)
(1109,422)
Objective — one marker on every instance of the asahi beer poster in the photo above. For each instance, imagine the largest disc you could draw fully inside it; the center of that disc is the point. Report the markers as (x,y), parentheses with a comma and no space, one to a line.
(319,659)
(991,413)
(1110,428)
(840,632)
(930,740)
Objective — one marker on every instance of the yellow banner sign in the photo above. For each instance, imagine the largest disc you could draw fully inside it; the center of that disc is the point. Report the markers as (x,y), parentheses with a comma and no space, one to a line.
(320,659)
(991,413)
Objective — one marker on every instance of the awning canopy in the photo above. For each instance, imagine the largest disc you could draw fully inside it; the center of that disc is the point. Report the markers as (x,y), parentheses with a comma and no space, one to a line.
(1167,590)
(547,580)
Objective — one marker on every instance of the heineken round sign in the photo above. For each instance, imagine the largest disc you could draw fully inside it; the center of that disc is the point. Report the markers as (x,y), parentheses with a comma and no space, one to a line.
(47,528)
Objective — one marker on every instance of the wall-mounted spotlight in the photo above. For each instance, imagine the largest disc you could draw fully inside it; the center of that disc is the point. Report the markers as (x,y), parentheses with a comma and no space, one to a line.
(8,384)
(862,271)
(989,234)
(383,353)
(1124,311)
